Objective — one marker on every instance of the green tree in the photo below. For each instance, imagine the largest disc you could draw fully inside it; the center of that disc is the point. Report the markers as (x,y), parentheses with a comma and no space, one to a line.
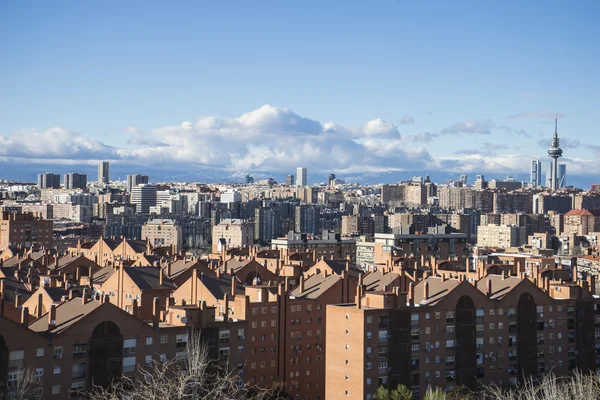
(382,394)
(435,394)
(401,393)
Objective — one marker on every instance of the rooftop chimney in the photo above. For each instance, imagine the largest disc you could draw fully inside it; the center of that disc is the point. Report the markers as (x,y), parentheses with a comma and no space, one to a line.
(155,312)
(489,287)
(84,297)
(91,277)
(25,316)
(17,301)
(226,307)
(160,277)
(574,269)
(232,285)
(301,283)
(426,291)
(52,317)
(134,307)
(40,305)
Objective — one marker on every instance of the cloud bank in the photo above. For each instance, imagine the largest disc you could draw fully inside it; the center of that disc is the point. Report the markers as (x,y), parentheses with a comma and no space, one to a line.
(273,140)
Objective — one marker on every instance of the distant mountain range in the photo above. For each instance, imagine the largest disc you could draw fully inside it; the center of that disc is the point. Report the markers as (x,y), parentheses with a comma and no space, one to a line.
(175,173)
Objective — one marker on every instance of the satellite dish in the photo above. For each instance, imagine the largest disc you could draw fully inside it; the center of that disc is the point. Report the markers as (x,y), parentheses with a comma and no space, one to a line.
(53,322)
(184,320)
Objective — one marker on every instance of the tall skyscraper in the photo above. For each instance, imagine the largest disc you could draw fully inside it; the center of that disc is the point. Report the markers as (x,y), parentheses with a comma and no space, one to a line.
(562,176)
(464,179)
(103,173)
(134,180)
(301,176)
(536,173)
(74,180)
(48,181)
(143,197)
(331,180)
(554,152)
(289,180)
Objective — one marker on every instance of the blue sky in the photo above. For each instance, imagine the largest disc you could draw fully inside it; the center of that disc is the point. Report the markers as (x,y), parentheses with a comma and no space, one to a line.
(480,82)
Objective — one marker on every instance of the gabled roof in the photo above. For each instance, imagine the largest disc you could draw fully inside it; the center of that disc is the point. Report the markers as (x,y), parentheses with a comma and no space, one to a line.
(180,266)
(587,213)
(102,275)
(337,266)
(13,287)
(377,280)
(315,286)
(67,314)
(218,286)
(55,293)
(500,287)
(438,289)
(148,278)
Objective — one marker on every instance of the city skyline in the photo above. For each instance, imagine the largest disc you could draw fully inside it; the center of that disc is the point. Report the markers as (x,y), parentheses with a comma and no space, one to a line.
(489,111)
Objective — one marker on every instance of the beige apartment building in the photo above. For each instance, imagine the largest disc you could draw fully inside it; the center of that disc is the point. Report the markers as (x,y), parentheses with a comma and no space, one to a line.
(163,232)
(501,236)
(232,233)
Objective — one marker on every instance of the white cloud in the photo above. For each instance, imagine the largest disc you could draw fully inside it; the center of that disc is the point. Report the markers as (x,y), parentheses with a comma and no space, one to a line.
(53,143)
(270,140)
(469,127)
(407,120)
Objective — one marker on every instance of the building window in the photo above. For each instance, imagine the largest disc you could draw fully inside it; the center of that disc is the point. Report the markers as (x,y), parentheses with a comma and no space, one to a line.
(128,365)
(40,352)
(55,389)
(56,370)
(148,359)
(58,352)
(164,339)
(148,340)
(369,319)
(129,346)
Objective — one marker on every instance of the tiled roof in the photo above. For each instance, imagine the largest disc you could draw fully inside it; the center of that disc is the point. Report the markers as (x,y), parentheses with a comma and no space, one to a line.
(438,289)
(12,288)
(500,287)
(102,275)
(218,286)
(587,213)
(337,266)
(377,280)
(315,286)
(67,314)
(148,278)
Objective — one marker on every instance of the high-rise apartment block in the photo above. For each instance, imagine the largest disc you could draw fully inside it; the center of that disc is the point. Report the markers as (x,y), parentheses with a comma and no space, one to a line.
(143,197)
(74,180)
(501,236)
(137,179)
(163,233)
(103,173)
(536,173)
(230,233)
(301,176)
(231,196)
(289,180)
(48,180)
